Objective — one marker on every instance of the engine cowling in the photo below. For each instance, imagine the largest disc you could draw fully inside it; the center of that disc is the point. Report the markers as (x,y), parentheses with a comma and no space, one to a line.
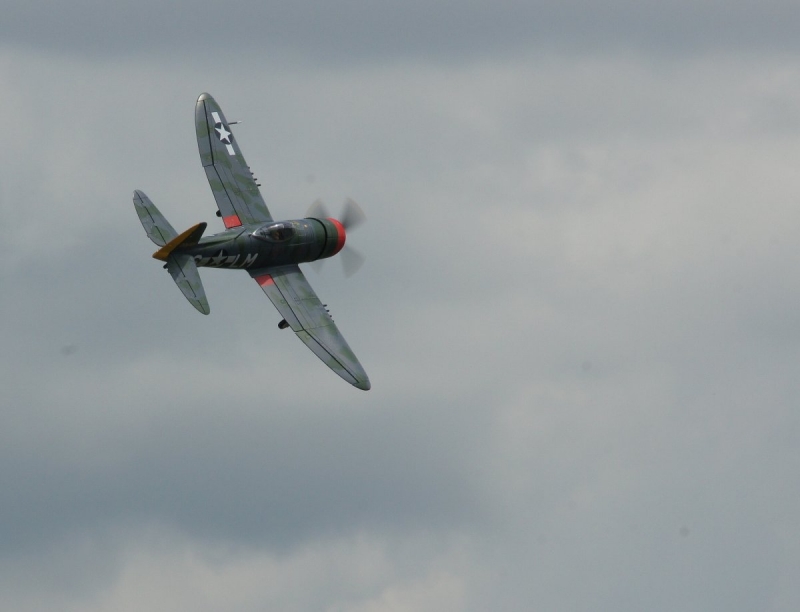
(333,236)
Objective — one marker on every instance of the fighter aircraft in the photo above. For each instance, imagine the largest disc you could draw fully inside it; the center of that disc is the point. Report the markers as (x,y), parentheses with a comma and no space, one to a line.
(268,250)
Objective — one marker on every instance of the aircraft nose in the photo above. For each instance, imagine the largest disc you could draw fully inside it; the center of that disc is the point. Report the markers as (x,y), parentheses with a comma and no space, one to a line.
(340,232)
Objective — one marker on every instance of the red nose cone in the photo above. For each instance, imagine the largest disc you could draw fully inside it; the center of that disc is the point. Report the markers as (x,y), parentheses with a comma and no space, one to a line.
(341,234)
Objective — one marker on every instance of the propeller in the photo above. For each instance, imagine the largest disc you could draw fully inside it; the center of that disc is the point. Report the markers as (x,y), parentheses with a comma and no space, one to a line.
(352,216)
(352,260)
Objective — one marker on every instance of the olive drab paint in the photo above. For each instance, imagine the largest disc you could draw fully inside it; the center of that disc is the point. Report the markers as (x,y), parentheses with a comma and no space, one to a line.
(268,250)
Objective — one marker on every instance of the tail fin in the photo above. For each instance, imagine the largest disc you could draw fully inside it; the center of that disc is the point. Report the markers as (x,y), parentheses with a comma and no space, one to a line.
(181,267)
(157,227)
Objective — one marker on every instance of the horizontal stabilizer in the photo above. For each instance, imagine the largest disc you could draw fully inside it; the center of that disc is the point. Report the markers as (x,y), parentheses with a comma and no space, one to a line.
(189,238)
(184,272)
(157,227)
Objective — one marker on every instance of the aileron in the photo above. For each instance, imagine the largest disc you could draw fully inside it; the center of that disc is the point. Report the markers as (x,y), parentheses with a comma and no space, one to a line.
(289,291)
(269,250)
(234,188)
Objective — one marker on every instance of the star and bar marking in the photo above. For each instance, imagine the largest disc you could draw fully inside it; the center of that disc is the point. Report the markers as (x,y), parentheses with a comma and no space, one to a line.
(223,133)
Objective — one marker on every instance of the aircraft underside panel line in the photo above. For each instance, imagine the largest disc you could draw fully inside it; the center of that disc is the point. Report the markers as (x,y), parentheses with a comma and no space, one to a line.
(233,185)
(184,272)
(289,291)
(269,250)
(157,228)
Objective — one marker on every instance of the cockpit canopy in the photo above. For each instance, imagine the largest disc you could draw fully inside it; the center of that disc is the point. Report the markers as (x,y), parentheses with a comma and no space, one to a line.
(277,232)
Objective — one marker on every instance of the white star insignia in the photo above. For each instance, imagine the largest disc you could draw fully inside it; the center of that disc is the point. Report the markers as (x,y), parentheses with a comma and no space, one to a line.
(224,135)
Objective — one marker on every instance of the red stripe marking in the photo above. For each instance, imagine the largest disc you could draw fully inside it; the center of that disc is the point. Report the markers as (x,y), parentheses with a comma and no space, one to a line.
(231,221)
(265,279)
(341,235)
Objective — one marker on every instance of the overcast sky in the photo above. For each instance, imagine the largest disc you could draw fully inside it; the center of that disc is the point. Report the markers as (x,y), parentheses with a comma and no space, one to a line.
(580,309)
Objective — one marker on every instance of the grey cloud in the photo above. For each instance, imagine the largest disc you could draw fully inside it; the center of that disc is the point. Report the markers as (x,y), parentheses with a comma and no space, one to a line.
(215,472)
(578,313)
(90,440)
(343,31)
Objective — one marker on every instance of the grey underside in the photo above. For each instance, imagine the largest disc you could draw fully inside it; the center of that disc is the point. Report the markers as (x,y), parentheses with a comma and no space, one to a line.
(240,203)
(184,272)
(232,184)
(306,315)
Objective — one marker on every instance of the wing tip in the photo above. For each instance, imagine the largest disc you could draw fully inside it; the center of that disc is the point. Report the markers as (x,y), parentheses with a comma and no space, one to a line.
(201,305)
(356,376)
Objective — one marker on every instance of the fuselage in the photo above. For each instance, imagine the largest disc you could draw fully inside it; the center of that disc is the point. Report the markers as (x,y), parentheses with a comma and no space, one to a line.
(269,244)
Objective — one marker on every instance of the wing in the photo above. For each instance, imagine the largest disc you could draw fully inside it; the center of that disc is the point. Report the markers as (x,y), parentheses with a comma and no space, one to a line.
(288,289)
(234,188)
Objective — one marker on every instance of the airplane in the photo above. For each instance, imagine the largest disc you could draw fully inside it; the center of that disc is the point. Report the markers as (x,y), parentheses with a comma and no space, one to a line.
(268,250)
